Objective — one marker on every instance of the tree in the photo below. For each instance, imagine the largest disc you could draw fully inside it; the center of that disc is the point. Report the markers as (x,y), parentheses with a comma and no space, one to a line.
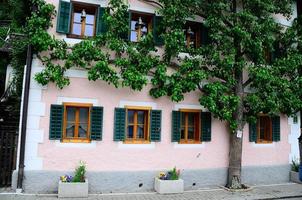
(240,36)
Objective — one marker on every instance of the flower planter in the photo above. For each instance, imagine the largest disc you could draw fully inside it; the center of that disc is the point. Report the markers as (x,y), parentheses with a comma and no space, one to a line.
(73,190)
(168,186)
(294,177)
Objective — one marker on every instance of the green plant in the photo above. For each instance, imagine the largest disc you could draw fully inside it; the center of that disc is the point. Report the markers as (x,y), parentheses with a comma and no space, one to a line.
(80,171)
(174,174)
(295,165)
(170,175)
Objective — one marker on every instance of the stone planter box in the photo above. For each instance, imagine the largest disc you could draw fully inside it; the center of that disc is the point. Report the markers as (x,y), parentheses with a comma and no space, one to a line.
(169,186)
(294,177)
(73,190)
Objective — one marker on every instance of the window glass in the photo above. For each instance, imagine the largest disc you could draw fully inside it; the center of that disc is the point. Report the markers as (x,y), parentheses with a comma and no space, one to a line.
(83,23)
(89,30)
(140,26)
(70,128)
(137,124)
(192,35)
(130,117)
(76,122)
(190,126)
(264,129)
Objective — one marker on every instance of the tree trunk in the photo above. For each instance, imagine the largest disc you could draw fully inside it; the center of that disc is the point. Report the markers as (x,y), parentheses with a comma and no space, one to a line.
(235,155)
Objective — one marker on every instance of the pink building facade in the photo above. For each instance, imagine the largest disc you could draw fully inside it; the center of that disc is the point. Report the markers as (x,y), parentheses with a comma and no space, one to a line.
(115,164)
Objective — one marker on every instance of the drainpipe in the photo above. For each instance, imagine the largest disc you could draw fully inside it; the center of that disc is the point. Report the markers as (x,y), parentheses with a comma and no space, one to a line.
(24,118)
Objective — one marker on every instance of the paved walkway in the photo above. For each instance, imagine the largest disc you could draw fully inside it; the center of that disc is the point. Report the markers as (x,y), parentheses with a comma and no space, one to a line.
(290,191)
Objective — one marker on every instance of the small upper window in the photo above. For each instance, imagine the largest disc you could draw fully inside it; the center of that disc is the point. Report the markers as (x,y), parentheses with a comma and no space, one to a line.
(299,7)
(83,21)
(141,25)
(76,122)
(137,125)
(190,127)
(192,35)
(264,129)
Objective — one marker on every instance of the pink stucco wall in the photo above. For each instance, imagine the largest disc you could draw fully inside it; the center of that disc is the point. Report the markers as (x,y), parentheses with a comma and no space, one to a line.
(107,156)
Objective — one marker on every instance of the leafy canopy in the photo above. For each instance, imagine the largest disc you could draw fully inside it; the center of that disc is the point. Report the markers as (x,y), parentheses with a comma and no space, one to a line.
(240,35)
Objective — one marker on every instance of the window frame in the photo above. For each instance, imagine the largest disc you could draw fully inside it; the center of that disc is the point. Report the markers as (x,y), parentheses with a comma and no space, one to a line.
(138,31)
(270,134)
(186,141)
(83,24)
(146,139)
(198,38)
(76,139)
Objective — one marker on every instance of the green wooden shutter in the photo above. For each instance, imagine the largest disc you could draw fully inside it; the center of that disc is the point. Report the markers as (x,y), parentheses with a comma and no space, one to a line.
(155,126)
(126,35)
(101,25)
(204,35)
(119,124)
(158,30)
(176,115)
(63,20)
(276,128)
(56,122)
(206,126)
(96,126)
(252,132)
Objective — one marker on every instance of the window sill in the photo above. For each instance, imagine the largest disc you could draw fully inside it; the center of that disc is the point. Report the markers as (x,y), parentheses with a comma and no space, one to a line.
(260,145)
(189,142)
(189,145)
(137,142)
(123,145)
(91,144)
(264,142)
(76,141)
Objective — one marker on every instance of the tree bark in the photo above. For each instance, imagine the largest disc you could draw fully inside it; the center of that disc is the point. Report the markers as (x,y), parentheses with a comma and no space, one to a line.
(235,155)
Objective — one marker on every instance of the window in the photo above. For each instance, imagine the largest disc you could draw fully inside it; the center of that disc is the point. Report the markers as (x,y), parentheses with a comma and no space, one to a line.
(299,7)
(192,34)
(83,21)
(190,126)
(264,129)
(137,124)
(141,25)
(76,122)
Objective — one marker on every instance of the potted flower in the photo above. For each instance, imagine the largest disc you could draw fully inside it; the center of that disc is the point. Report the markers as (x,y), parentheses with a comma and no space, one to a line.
(294,174)
(76,186)
(169,183)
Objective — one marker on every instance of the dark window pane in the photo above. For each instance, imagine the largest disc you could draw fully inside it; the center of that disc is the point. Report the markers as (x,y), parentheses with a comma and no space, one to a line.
(140,132)
(140,117)
(183,119)
(71,114)
(70,127)
(191,119)
(84,115)
(130,132)
(182,133)
(191,133)
(130,116)
(83,130)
